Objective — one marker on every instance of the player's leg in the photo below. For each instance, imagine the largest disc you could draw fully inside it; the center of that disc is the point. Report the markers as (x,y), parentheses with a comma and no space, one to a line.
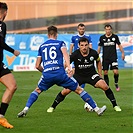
(82,86)
(10,83)
(73,86)
(109,93)
(116,78)
(59,98)
(82,80)
(32,98)
(105,65)
(88,99)
(114,67)
(106,77)
(42,86)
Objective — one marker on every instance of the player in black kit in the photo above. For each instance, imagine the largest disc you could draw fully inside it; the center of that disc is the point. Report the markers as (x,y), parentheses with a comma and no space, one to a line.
(85,72)
(108,42)
(6,77)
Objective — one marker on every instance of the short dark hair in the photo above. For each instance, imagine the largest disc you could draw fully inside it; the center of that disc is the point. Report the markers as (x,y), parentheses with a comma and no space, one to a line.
(83,39)
(52,30)
(3,6)
(81,24)
(107,25)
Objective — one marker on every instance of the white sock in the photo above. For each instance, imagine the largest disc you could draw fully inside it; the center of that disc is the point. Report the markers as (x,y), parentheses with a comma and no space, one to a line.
(1,116)
(26,108)
(96,109)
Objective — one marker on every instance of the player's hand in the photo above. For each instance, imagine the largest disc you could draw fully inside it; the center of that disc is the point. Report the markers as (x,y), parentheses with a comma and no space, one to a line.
(70,72)
(123,56)
(16,52)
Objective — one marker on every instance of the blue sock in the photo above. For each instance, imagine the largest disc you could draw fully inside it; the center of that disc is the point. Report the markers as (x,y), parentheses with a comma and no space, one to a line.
(82,86)
(33,97)
(87,98)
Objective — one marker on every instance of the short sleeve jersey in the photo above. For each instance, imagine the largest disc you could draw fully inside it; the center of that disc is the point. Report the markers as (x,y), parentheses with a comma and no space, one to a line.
(52,57)
(75,40)
(84,66)
(2,34)
(109,46)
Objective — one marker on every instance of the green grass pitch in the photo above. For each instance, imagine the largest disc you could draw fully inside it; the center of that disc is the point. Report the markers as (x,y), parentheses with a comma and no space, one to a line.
(70,117)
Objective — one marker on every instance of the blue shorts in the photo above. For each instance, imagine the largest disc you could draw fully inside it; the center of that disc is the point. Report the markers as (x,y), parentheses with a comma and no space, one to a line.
(60,80)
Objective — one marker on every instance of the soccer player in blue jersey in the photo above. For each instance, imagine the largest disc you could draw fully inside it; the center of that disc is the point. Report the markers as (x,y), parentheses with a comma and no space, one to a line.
(75,40)
(50,55)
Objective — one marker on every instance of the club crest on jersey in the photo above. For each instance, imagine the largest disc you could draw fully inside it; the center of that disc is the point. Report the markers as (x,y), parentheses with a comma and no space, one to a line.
(113,39)
(91,58)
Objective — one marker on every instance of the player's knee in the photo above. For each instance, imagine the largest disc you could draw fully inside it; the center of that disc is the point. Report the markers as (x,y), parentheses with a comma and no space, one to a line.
(116,73)
(38,90)
(105,72)
(13,87)
(65,92)
(104,85)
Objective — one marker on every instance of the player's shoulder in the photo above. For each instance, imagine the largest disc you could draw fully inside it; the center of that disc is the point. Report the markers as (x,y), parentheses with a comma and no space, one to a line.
(76,53)
(93,50)
(103,36)
(52,41)
(114,35)
(87,35)
(75,36)
(2,24)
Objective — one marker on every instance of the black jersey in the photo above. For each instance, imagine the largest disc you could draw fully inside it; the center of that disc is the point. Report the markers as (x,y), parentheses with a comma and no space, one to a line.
(84,66)
(3,45)
(109,46)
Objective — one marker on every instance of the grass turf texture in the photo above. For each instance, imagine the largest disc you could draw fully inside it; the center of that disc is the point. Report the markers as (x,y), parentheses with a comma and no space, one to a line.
(69,115)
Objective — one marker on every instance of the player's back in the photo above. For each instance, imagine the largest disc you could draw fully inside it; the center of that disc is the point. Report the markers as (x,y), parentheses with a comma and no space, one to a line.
(52,57)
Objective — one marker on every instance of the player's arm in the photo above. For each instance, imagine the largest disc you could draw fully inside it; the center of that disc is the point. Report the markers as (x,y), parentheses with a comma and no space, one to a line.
(90,45)
(99,66)
(120,47)
(122,51)
(38,64)
(6,47)
(71,48)
(100,44)
(99,49)
(67,60)
(90,42)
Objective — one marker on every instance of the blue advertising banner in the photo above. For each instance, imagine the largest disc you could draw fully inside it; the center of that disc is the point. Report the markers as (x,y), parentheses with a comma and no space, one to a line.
(28,45)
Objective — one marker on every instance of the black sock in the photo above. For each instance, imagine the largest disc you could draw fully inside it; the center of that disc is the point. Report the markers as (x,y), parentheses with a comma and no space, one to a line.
(111,97)
(106,78)
(3,108)
(116,77)
(59,98)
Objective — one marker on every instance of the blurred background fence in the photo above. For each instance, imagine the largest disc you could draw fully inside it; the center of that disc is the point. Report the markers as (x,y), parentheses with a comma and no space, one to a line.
(34,16)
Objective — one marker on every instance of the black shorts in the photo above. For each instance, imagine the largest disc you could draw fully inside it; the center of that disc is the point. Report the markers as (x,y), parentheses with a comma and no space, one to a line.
(3,70)
(108,64)
(90,79)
